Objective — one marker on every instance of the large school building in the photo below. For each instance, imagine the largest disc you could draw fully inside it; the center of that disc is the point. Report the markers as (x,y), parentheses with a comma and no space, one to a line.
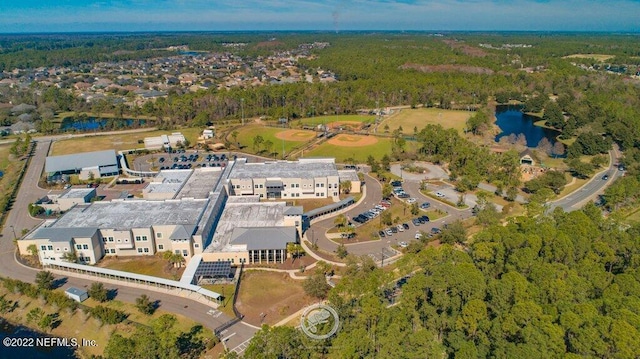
(204,212)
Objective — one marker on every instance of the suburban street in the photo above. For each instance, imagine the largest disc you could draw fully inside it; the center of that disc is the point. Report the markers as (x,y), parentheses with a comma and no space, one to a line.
(19,219)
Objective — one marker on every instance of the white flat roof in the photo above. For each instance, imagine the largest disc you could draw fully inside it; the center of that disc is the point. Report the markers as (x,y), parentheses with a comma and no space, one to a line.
(304,168)
(129,214)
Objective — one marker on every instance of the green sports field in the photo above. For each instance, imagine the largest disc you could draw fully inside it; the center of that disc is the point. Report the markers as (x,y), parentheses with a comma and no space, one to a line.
(248,133)
(420,117)
(360,154)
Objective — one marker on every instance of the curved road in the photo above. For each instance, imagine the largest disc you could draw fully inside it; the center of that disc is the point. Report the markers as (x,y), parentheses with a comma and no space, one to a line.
(18,219)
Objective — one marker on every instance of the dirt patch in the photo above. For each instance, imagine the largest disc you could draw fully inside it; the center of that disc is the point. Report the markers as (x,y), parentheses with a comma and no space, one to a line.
(448,68)
(268,297)
(466,49)
(353,140)
(295,135)
(346,125)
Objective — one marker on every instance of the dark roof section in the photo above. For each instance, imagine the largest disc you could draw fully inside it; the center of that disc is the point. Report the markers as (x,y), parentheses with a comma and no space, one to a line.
(182,232)
(80,160)
(264,237)
(293,211)
(63,234)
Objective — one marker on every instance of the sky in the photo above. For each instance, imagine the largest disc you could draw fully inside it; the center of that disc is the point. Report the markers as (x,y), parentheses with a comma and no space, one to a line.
(333,15)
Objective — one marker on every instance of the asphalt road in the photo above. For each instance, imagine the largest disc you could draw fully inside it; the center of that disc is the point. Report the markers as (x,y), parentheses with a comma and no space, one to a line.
(18,219)
(593,188)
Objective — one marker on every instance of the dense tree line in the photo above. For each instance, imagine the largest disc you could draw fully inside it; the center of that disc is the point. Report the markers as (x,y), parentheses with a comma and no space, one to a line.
(560,286)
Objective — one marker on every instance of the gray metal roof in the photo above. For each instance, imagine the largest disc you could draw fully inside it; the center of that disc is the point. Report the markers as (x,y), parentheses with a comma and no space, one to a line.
(293,210)
(329,207)
(76,291)
(264,237)
(303,168)
(182,232)
(63,234)
(80,161)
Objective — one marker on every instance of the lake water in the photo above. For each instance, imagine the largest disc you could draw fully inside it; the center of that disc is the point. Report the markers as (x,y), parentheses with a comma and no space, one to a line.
(511,120)
(8,330)
(93,123)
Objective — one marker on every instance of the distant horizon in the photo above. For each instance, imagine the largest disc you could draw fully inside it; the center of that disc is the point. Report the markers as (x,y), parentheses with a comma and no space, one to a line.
(98,16)
(433,32)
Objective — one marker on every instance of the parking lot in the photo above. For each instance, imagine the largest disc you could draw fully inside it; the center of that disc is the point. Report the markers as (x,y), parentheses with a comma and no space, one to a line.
(180,159)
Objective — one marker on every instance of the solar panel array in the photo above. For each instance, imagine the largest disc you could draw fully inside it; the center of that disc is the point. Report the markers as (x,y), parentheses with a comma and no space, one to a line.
(214,269)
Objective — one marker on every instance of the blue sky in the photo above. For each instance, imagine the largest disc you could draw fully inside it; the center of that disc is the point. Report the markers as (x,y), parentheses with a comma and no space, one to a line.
(234,15)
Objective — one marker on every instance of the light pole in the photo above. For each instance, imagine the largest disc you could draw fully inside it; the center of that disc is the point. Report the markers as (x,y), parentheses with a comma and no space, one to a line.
(242,109)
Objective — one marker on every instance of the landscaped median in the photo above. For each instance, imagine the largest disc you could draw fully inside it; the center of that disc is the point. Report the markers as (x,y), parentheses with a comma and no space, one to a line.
(441,199)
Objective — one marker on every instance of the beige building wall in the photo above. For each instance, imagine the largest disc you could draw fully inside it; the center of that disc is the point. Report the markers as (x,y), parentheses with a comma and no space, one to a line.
(89,248)
(161,237)
(235,257)
(143,241)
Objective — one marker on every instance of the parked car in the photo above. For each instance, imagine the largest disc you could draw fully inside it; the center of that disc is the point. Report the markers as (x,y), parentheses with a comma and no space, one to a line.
(416,222)
(425,205)
(388,232)
(424,218)
(403,195)
(161,159)
(394,230)
(412,200)
(440,194)
(396,183)
(405,225)
(403,244)
(381,234)
(418,235)
(435,230)
(400,228)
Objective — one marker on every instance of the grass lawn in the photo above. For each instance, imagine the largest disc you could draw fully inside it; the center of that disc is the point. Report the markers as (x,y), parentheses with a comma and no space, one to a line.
(248,133)
(572,186)
(123,141)
(274,295)
(151,265)
(77,325)
(228,291)
(4,157)
(311,203)
(420,117)
(634,216)
(360,154)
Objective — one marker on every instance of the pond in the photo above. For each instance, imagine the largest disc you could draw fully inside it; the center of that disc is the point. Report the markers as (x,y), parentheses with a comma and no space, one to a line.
(511,120)
(8,330)
(93,123)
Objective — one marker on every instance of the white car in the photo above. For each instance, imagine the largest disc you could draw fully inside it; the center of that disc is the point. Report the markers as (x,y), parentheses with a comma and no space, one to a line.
(440,194)
(412,200)
(400,228)
(403,244)
(418,235)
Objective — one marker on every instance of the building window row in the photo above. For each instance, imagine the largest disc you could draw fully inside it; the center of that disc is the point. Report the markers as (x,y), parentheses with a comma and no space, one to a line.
(82,246)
